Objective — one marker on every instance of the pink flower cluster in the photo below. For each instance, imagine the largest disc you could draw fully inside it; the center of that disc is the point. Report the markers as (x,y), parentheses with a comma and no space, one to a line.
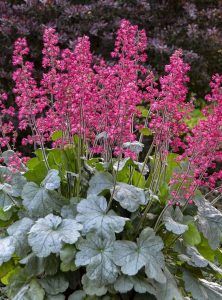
(7,134)
(30,98)
(204,146)
(169,110)
(97,102)
(206,140)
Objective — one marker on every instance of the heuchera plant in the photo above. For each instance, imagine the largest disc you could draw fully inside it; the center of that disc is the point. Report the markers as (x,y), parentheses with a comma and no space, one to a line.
(86,217)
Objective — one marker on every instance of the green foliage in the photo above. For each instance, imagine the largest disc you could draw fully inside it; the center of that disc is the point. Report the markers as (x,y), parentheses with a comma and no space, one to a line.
(192,236)
(104,234)
(195,117)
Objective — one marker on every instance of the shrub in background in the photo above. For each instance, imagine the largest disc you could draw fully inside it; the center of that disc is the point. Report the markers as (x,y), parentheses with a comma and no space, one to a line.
(85,218)
(193,26)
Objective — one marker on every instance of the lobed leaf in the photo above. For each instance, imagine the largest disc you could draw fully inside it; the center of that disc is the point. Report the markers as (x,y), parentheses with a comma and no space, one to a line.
(70,211)
(129,196)
(19,231)
(201,289)
(92,213)
(7,249)
(173,219)
(7,201)
(141,285)
(67,256)
(35,266)
(52,180)
(92,288)
(168,290)
(50,233)
(39,201)
(54,285)
(16,180)
(99,182)
(194,258)
(123,284)
(31,291)
(96,253)
(77,295)
(131,257)
(209,222)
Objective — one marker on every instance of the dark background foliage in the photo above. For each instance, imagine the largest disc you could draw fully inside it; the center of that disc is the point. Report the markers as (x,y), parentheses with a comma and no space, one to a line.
(195,26)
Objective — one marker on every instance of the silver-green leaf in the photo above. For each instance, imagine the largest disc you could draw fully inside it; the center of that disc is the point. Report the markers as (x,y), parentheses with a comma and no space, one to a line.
(54,285)
(7,201)
(99,182)
(129,196)
(131,257)
(201,289)
(52,180)
(77,295)
(168,290)
(19,231)
(120,164)
(196,259)
(70,211)
(123,284)
(135,146)
(7,249)
(141,285)
(17,180)
(92,213)
(49,234)
(31,291)
(209,222)
(96,253)
(39,201)
(8,156)
(35,266)
(192,256)
(92,288)
(173,219)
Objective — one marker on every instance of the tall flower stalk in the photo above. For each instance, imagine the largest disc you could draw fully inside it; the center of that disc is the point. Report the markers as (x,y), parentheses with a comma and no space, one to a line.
(97,101)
